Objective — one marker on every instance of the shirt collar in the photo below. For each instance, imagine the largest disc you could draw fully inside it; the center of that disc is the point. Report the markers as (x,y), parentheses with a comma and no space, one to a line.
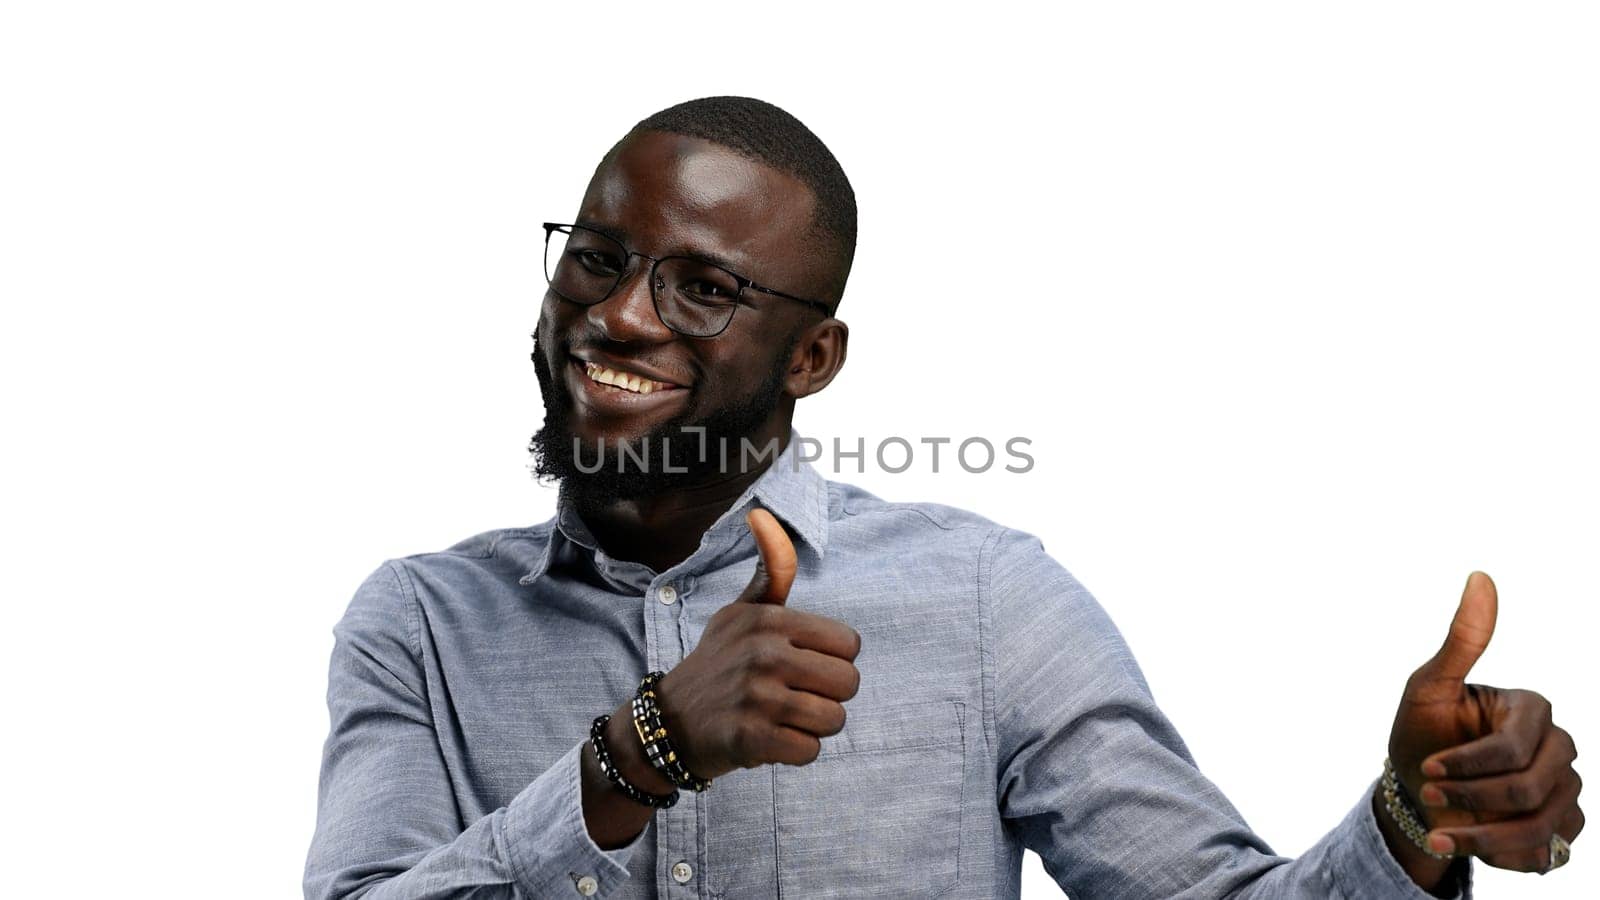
(791,489)
(795,492)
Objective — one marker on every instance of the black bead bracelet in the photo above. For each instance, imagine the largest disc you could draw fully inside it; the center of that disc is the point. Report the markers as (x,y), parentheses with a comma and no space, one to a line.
(653,735)
(597,739)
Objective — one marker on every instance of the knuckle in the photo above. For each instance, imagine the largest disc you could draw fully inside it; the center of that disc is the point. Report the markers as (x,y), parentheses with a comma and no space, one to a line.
(784,709)
(764,657)
(1499,756)
(756,697)
(1537,826)
(1522,748)
(1520,794)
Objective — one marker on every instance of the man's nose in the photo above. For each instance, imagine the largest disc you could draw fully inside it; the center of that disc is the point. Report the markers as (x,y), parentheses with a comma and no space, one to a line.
(629,314)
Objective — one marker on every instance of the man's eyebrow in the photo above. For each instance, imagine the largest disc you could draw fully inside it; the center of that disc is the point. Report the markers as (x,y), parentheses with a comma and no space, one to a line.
(621,237)
(715,259)
(616,234)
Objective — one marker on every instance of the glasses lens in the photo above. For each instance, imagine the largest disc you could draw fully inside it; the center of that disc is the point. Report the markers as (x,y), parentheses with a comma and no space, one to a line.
(694,297)
(582,265)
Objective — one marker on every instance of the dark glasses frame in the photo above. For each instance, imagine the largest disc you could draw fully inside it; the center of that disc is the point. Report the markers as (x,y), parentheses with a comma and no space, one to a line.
(655,294)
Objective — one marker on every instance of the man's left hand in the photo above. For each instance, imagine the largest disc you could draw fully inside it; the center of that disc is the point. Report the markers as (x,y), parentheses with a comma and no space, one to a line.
(1491,769)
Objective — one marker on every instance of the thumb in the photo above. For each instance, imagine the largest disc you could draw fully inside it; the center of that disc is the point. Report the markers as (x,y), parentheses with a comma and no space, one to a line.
(1470,630)
(775,563)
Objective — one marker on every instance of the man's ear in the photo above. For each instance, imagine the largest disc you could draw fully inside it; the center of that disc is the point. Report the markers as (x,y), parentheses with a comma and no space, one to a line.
(817,357)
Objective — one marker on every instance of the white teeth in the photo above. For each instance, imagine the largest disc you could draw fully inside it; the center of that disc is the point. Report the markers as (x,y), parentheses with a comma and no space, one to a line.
(627,382)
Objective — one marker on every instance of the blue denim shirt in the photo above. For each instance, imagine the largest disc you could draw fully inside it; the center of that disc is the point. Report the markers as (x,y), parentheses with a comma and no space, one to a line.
(999,709)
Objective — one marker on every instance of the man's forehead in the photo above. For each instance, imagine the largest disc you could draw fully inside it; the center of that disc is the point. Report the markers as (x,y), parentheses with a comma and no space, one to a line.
(667,193)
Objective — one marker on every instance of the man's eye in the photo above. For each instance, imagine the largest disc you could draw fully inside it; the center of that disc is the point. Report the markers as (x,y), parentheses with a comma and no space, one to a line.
(707,292)
(597,262)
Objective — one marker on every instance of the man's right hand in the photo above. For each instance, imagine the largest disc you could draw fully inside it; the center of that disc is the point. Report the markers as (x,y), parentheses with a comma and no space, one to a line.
(766,682)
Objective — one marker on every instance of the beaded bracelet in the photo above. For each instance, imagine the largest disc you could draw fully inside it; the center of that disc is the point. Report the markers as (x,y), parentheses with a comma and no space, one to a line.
(653,736)
(597,739)
(1400,809)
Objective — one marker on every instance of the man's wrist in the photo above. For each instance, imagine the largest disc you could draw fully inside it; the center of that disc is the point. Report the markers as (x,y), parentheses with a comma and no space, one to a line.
(1436,876)
(627,754)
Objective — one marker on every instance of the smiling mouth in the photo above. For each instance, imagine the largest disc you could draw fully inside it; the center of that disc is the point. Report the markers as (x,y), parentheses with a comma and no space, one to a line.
(624,381)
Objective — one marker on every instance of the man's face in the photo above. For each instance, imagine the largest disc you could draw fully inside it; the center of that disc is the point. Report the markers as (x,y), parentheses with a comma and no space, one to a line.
(662,195)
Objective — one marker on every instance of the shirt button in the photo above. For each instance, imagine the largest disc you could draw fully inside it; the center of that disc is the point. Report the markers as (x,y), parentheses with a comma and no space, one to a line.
(682,872)
(667,594)
(587,886)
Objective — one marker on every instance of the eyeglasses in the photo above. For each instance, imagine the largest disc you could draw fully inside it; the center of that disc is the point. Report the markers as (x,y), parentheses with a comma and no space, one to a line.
(692,297)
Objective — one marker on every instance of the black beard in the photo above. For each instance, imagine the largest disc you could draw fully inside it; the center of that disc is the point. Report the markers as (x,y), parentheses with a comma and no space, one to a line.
(676,457)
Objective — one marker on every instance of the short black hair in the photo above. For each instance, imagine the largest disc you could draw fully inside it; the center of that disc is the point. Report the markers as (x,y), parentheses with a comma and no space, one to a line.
(769,135)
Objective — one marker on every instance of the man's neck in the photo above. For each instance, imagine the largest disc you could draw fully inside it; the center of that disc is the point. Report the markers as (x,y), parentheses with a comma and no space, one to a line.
(663,530)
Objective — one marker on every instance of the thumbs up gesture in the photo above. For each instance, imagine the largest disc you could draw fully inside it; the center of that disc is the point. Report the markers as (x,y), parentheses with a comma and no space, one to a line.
(1491,772)
(766,683)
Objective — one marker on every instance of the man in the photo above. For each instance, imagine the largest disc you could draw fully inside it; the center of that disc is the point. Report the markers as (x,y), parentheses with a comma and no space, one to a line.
(992,705)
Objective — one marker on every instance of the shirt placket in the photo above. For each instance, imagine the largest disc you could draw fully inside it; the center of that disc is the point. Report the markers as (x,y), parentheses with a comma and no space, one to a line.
(678,829)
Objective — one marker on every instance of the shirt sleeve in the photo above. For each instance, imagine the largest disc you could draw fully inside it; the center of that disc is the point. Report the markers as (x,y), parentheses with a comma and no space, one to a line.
(1095,779)
(387,821)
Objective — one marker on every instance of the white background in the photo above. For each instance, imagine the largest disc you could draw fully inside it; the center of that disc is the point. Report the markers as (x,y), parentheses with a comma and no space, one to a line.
(1296,303)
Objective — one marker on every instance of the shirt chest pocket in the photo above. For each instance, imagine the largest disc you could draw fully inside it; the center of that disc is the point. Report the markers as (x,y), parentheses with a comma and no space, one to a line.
(878,813)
